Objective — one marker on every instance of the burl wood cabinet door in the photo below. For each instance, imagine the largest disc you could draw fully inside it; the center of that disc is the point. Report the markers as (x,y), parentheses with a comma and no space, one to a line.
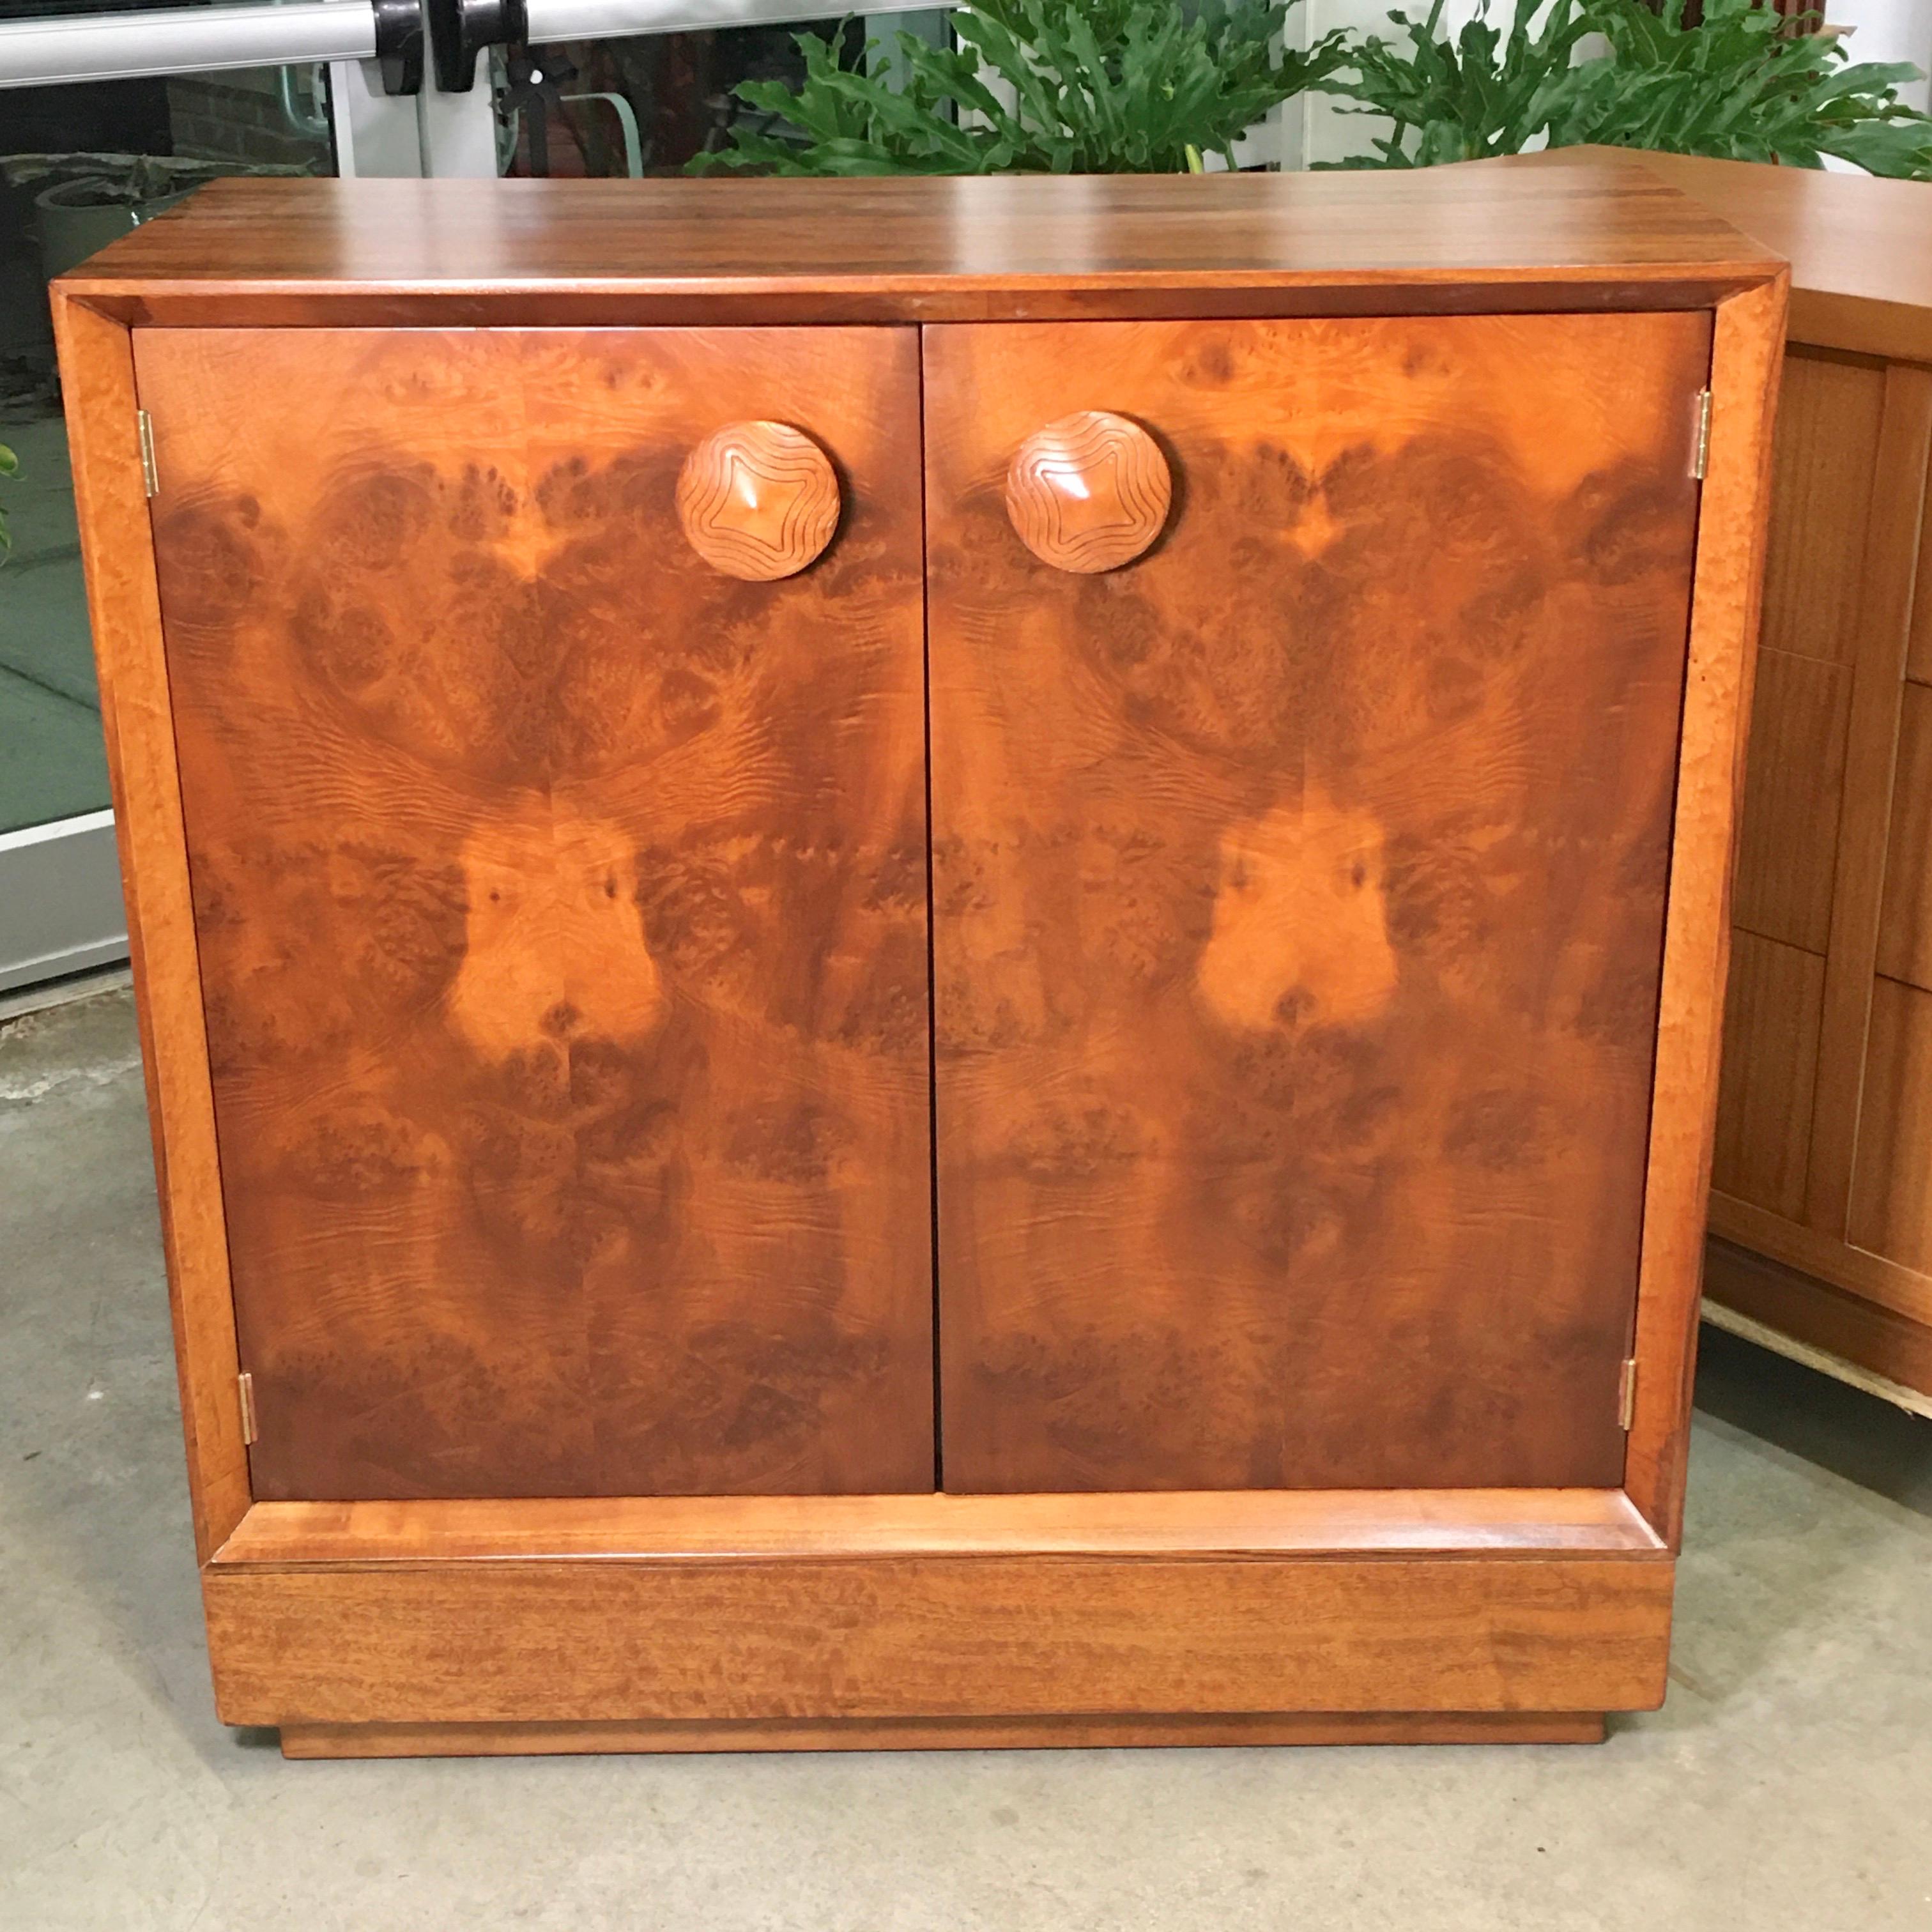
(1298,889)
(561,898)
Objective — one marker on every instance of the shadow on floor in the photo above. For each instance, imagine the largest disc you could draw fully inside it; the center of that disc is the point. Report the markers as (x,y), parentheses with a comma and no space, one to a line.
(1826,1423)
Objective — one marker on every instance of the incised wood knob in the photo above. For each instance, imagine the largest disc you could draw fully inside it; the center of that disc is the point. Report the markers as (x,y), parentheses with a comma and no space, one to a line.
(758,500)
(1090,492)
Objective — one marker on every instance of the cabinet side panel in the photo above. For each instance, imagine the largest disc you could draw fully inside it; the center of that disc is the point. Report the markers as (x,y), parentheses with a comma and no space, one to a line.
(1747,356)
(1905,921)
(97,374)
(1825,453)
(1787,840)
(1891,1202)
(1823,1318)
(1299,897)
(562,907)
(1882,615)
(1770,1069)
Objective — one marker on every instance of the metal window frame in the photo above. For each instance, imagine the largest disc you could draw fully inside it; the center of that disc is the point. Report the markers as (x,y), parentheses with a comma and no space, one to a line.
(61,883)
(60,909)
(54,49)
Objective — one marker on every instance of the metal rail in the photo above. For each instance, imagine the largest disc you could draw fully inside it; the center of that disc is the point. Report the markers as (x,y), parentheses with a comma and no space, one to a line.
(199,40)
(462,29)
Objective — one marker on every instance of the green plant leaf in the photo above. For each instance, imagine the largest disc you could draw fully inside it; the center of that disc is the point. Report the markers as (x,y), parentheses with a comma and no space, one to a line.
(1739,84)
(1037,86)
(1101,86)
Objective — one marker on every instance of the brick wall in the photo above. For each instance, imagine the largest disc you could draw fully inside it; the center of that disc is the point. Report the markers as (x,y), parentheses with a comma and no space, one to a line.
(239,116)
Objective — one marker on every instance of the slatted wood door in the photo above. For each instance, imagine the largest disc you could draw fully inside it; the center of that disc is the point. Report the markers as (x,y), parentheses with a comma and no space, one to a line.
(561,905)
(1299,889)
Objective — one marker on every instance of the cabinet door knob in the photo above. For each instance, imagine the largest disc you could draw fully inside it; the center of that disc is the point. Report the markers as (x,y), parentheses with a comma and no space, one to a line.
(758,500)
(1090,492)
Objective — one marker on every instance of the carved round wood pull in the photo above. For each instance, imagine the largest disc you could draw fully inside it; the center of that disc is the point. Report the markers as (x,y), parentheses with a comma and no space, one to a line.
(758,500)
(1090,492)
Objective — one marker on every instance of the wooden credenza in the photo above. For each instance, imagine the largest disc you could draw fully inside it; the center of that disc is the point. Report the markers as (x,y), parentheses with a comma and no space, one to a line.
(1822,1210)
(929,962)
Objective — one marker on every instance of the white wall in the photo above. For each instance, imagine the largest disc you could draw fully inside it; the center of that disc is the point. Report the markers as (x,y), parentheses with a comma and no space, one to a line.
(1324,129)
(1889,30)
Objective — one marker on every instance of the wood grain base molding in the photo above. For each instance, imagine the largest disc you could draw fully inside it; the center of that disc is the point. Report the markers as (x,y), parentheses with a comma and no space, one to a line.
(1023,1636)
(959,992)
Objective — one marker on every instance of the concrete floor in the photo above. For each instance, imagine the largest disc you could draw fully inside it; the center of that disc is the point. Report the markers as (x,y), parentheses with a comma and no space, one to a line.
(1787,1783)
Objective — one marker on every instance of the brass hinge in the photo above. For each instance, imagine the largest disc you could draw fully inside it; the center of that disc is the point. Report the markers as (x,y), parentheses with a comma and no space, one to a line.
(1626,1394)
(144,424)
(245,1383)
(1700,457)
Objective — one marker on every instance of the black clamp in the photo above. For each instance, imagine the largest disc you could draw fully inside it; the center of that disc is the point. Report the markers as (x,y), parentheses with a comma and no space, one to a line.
(399,44)
(461,29)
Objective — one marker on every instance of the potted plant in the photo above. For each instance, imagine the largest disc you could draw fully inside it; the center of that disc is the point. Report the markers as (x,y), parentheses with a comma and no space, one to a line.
(87,210)
(1103,86)
(1739,84)
(1037,86)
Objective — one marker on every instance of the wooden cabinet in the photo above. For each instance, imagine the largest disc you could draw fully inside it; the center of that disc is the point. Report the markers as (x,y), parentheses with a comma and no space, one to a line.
(1822,1206)
(928,962)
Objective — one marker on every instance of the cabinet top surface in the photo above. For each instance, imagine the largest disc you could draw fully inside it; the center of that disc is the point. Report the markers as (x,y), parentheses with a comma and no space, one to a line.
(1860,247)
(1607,231)
(1853,235)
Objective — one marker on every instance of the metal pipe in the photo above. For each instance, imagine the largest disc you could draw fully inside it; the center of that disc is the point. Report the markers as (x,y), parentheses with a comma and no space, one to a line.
(550,20)
(125,46)
(303,117)
(627,128)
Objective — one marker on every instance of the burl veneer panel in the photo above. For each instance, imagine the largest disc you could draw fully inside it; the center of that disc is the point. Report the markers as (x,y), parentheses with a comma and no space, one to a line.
(561,905)
(1298,900)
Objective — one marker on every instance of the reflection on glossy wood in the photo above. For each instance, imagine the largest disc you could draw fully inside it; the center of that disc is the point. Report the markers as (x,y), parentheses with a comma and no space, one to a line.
(758,500)
(604,253)
(561,905)
(1088,493)
(1298,902)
